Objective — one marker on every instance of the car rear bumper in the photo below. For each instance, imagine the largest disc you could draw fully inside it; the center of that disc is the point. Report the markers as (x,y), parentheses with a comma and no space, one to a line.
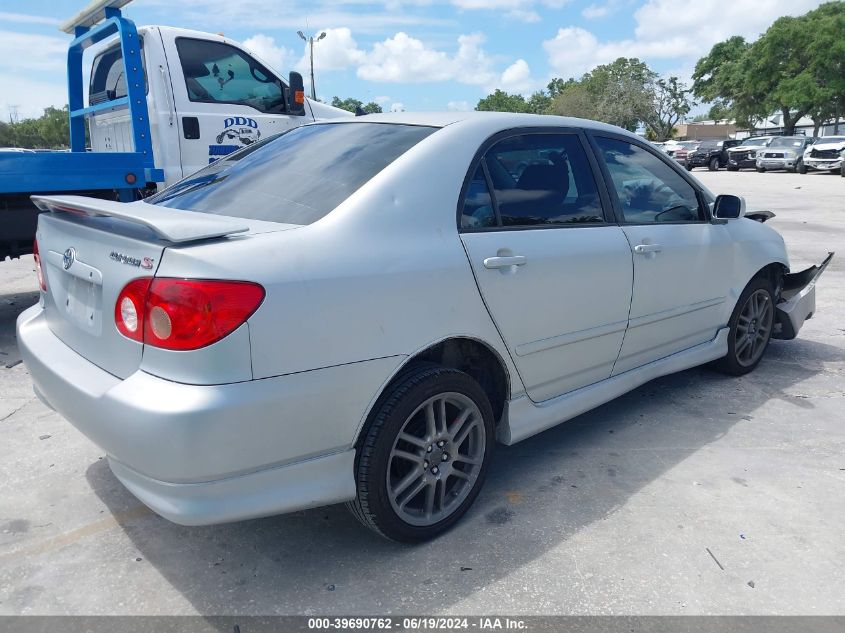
(212,453)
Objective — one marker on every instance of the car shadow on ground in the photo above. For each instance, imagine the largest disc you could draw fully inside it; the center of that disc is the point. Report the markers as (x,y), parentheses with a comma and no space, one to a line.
(539,494)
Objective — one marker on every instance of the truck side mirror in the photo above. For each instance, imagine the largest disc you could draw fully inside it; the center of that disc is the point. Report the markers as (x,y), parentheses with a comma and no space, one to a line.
(729,207)
(296,95)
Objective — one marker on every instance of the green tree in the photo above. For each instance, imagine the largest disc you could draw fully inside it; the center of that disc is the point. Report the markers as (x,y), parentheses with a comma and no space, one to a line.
(619,93)
(558,85)
(796,67)
(351,105)
(501,101)
(539,103)
(575,100)
(719,111)
(669,103)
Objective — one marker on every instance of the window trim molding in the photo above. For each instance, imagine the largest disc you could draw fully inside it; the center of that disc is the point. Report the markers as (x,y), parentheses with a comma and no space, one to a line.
(604,201)
(269,72)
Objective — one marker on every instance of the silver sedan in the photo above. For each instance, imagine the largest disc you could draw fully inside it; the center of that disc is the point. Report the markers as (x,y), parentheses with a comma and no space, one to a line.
(357,311)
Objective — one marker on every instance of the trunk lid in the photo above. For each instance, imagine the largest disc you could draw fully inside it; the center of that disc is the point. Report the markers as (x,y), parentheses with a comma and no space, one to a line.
(90,249)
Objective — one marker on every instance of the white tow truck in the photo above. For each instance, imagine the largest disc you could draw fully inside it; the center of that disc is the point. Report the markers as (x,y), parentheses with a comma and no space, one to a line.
(161,103)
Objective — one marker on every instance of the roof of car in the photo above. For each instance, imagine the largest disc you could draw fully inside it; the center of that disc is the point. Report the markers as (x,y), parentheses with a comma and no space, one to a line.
(494,119)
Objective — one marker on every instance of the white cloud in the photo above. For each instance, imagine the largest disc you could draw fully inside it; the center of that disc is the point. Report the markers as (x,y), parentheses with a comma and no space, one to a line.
(397,107)
(26,18)
(403,58)
(406,59)
(27,52)
(458,106)
(706,22)
(337,51)
(381,99)
(594,11)
(522,10)
(363,16)
(517,78)
(264,46)
(664,32)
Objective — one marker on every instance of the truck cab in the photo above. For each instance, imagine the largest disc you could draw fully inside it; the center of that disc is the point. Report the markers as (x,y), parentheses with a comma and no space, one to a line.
(206,96)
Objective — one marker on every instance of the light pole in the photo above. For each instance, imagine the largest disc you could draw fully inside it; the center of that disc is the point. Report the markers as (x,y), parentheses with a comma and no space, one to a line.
(310,41)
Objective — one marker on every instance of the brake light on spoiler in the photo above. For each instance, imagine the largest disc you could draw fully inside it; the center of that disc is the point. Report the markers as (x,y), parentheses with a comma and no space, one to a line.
(184,314)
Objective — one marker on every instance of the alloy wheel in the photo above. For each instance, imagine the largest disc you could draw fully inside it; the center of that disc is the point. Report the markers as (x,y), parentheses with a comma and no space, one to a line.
(753,328)
(436,459)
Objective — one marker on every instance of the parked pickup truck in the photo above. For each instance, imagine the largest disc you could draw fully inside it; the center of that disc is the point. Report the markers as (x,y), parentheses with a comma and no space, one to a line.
(784,152)
(744,155)
(711,154)
(162,103)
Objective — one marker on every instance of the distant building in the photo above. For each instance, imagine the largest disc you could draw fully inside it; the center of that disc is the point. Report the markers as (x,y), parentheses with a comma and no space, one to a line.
(705,131)
(713,130)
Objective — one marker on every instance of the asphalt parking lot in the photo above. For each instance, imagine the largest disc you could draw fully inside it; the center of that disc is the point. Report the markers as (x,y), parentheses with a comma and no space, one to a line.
(694,494)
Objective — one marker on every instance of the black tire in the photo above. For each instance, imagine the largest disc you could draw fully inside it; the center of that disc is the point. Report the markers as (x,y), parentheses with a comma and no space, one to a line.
(802,168)
(396,408)
(732,363)
(713,165)
(733,168)
(842,169)
(761,170)
(688,166)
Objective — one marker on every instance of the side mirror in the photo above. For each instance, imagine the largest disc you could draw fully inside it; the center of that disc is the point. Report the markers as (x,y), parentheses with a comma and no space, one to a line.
(729,207)
(296,95)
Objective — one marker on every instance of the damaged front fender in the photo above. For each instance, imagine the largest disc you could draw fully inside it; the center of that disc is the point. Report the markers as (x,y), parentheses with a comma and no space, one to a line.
(797,300)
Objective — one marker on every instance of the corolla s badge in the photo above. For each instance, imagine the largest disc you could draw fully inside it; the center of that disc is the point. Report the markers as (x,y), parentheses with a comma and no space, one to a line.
(144,262)
(68,258)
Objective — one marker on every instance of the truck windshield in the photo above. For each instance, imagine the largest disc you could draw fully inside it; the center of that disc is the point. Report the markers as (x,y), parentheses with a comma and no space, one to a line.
(296,177)
(787,141)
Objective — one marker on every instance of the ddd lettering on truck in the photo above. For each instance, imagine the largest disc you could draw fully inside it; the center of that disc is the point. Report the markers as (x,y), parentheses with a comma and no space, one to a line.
(238,131)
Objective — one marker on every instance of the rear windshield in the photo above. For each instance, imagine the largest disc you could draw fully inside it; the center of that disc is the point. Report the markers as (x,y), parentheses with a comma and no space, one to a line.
(297,177)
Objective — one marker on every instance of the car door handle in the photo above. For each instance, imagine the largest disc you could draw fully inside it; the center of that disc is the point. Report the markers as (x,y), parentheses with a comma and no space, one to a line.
(642,249)
(505,262)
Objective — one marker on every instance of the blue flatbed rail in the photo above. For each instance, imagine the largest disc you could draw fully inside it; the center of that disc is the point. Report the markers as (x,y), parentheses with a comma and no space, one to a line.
(108,174)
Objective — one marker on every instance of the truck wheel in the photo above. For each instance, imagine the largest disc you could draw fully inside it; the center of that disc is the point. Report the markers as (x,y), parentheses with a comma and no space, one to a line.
(751,327)
(688,166)
(842,169)
(424,454)
(802,168)
(761,170)
(733,168)
(714,164)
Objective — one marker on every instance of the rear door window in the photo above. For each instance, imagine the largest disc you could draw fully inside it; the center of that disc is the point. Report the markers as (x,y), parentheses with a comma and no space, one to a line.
(537,180)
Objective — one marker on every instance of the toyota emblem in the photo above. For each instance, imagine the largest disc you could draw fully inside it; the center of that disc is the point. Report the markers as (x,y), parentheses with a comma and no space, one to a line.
(68,258)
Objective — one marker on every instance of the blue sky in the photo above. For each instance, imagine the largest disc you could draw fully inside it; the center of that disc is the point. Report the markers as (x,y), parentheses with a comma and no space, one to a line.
(410,54)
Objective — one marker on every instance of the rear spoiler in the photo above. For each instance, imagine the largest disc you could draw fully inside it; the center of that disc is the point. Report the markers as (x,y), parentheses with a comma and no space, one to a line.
(173,225)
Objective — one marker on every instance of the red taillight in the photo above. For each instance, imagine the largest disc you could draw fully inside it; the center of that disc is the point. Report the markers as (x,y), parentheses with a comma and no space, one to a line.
(184,314)
(130,308)
(39,272)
